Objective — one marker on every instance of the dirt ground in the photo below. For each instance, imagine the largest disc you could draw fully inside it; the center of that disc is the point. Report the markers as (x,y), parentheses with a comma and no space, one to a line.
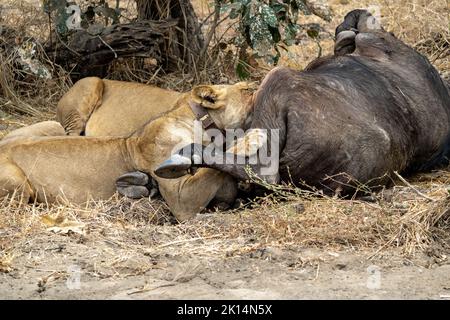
(60,267)
(303,247)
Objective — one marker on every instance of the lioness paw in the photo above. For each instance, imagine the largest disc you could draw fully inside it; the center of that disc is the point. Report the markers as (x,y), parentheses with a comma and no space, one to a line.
(253,140)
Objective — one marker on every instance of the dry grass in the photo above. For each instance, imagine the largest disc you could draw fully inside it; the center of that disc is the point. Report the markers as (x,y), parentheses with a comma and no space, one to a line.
(422,24)
(401,217)
(23,93)
(398,219)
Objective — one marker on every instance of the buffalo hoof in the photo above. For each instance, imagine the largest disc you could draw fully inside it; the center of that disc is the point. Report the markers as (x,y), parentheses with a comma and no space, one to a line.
(238,203)
(174,167)
(222,206)
(345,43)
(136,178)
(134,192)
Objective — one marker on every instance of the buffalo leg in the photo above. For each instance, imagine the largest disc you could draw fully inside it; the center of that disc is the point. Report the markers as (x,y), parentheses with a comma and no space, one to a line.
(237,166)
(355,22)
(361,20)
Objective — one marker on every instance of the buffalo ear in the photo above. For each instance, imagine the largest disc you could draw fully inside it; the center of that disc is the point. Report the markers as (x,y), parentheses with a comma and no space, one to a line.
(207,96)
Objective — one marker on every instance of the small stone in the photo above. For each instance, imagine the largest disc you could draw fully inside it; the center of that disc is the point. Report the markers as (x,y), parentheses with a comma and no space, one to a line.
(299,208)
(341,266)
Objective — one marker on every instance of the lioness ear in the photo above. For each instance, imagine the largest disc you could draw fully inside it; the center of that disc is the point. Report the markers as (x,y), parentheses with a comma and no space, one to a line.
(207,96)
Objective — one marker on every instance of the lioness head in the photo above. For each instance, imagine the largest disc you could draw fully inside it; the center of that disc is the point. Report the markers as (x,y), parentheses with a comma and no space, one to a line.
(228,105)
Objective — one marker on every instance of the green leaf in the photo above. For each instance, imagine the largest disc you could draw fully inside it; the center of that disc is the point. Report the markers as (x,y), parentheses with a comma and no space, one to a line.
(225,7)
(260,36)
(279,8)
(60,22)
(234,14)
(303,7)
(313,33)
(269,16)
(235,6)
(51,5)
(266,26)
(290,32)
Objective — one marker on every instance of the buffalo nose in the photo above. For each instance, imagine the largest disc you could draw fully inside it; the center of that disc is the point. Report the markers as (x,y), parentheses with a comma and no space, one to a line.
(174,167)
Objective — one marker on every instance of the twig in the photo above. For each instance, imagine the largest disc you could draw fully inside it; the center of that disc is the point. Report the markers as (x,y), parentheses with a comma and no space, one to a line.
(67,47)
(387,243)
(413,188)
(186,240)
(206,19)
(146,289)
(50,28)
(317,272)
(104,42)
(213,28)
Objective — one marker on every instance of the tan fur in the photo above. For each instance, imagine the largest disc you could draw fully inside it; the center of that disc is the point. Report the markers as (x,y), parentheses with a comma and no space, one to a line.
(79,168)
(45,128)
(99,107)
(249,144)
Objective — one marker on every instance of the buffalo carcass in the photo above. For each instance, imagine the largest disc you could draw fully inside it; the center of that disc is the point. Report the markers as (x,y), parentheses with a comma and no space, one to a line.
(376,107)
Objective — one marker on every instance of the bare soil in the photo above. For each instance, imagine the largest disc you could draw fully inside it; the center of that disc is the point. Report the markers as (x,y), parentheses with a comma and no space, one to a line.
(51,266)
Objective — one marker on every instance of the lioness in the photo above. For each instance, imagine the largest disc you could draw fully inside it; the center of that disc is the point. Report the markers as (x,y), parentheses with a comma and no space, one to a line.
(96,107)
(80,168)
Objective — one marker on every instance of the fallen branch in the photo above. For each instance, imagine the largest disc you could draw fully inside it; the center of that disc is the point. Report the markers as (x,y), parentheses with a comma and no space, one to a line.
(412,187)
(90,54)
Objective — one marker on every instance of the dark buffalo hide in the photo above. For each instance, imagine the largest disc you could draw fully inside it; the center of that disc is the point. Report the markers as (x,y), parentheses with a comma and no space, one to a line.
(377,106)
